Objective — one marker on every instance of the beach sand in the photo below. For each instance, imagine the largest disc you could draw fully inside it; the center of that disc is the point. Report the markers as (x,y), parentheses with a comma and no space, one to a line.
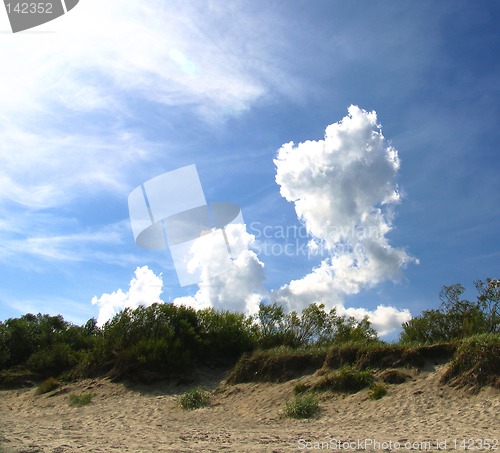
(413,416)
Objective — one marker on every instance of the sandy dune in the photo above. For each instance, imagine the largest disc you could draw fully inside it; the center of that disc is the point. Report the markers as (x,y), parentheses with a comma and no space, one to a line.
(247,418)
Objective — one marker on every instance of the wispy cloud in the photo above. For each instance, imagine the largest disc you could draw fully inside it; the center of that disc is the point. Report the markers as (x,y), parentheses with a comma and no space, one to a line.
(23,243)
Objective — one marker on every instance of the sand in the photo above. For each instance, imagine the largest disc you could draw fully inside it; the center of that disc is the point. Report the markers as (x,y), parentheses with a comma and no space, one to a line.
(419,415)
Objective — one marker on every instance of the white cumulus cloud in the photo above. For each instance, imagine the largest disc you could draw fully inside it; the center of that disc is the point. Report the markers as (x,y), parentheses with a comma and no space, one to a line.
(343,188)
(234,286)
(145,289)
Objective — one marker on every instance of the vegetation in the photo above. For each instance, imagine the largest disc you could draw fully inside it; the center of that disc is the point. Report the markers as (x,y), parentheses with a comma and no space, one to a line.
(194,399)
(476,363)
(377,391)
(80,400)
(277,365)
(457,318)
(346,380)
(314,326)
(164,341)
(304,406)
(47,386)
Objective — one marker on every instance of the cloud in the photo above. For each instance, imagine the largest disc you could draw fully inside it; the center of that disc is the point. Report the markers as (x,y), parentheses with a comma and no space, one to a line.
(337,184)
(237,287)
(385,320)
(69,97)
(43,168)
(234,286)
(169,53)
(145,289)
(343,189)
(32,239)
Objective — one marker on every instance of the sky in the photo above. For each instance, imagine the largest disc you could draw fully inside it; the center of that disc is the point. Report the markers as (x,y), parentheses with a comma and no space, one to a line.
(359,139)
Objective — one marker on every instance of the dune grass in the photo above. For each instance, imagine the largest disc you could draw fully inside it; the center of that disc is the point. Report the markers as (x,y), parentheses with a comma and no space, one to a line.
(303,406)
(47,386)
(476,363)
(194,399)
(345,380)
(377,391)
(80,400)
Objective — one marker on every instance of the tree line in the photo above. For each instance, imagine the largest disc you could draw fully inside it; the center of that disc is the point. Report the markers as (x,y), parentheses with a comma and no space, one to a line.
(164,339)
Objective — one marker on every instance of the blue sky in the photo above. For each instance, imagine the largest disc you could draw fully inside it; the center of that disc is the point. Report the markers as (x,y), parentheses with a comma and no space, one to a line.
(115,93)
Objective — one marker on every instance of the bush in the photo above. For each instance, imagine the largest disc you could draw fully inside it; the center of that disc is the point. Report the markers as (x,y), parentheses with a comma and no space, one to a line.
(347,379)
(302,406)
(314,326)
(225,336)
(476,363)
(457,318)
(194,399)
(377,391)
(80,400)
(52,361)
(162,355)
(47,386)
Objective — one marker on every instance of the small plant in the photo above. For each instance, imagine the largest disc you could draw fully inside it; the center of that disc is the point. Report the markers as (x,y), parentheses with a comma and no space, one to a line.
(80,400)
(347,379)
(194,399)
(301,388)
(302,406)
(377,391)
(47,386)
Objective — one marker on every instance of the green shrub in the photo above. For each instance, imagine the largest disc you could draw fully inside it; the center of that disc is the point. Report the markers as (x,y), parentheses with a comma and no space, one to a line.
(346,379)
(304,406)
(377,391)
(47,386)
(225,336)
(314,326)
(457,318)
(80,400)
(194,399)
(52,361)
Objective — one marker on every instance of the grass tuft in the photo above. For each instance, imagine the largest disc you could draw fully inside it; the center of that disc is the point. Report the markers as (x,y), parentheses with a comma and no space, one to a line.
(346,379)
(377,391)
(47,386)
(304,406)
(194,399)
(80,400)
